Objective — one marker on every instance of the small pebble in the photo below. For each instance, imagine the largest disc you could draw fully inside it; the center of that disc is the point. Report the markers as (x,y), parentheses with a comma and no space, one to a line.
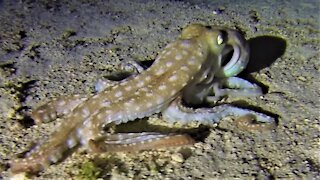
(219,10)
(301,78)
(177,157)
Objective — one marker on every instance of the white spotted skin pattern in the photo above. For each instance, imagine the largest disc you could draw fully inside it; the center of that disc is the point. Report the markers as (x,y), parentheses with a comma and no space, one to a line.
(137,97)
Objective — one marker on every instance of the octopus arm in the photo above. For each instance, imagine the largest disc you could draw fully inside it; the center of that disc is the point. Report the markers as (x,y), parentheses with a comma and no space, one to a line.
(138,141)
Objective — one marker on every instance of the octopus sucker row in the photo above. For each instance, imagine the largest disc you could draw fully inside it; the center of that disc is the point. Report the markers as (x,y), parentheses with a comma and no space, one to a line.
(155,143)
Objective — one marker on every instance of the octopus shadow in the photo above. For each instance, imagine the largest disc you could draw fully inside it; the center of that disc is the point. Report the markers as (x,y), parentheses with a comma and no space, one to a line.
(264,51)
(197,133)
(244,104)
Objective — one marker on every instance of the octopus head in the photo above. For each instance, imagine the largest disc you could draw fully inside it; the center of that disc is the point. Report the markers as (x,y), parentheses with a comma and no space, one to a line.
(228,46)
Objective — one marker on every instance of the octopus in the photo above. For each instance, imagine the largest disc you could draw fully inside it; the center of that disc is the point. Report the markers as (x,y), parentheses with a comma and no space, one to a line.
(200,67)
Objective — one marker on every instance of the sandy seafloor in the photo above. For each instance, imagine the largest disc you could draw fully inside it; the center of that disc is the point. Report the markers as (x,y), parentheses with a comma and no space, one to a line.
(53,48)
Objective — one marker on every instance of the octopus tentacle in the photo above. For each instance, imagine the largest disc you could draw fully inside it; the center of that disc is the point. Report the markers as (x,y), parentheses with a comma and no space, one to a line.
(138,141)
(232,86)
(208,116)
(56,108)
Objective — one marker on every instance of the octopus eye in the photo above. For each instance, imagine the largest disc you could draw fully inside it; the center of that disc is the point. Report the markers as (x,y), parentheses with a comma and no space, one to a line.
(222,37)
(219,39)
